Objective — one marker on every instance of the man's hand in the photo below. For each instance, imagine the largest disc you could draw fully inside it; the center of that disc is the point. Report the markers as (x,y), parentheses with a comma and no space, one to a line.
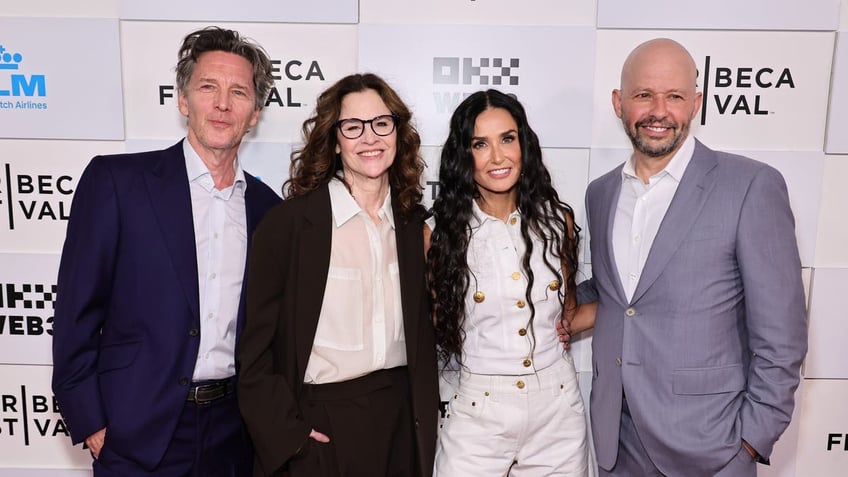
(750,450)
(95,442)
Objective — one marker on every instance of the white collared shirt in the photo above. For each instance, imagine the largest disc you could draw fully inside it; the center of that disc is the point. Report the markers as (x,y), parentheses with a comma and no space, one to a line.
(220,234)
(498,339)
(640,211)
(360,328)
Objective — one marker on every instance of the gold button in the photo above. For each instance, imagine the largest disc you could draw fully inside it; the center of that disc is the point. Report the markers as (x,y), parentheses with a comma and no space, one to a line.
(486,393)
(520,303)
(512,221)
(520,385)
(522,332)
(479,297)
(618,361)
(516,275)
(526,363)
(554,285)
(630,312)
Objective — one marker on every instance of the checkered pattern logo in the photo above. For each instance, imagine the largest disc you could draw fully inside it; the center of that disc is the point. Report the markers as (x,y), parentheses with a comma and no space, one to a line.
(476,71)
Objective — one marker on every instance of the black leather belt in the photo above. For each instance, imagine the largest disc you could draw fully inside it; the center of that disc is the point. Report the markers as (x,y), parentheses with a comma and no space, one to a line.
(210,391)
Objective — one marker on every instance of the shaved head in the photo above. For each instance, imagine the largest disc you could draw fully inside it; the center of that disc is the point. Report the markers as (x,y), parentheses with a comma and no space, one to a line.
(662,56)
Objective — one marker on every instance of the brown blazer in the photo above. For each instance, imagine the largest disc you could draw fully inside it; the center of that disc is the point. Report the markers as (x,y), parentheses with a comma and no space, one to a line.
(287,275)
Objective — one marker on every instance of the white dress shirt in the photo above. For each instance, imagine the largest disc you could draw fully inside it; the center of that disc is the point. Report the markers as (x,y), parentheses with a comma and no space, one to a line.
(640,211)
(360,328)
(220,234)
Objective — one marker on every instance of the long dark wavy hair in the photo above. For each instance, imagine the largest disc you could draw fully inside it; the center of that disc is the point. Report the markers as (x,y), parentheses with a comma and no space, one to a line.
(317,162)
(543,215)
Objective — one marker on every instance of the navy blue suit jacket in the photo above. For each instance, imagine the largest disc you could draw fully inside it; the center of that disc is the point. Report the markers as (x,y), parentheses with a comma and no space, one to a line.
(127,327)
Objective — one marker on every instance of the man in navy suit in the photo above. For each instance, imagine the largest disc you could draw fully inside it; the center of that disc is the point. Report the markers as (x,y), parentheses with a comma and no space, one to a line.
(150,288)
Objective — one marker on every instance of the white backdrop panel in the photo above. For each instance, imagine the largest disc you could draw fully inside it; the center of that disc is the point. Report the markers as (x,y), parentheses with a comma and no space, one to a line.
(720,14)
(831,249)
(823,429)
(61,8)
(762,90)
(549,70)
(27,295)
(37,180)
(307,58)
(292,11)
(828,327)
(837,116)
(268,161)
(488,12)
(45,89)
(33,433)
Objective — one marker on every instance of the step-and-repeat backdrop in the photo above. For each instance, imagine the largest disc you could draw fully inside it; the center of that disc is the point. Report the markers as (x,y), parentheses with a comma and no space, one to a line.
(90,77)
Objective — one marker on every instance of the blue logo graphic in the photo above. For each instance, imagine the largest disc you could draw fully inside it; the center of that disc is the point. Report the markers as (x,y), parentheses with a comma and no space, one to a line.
(20,85)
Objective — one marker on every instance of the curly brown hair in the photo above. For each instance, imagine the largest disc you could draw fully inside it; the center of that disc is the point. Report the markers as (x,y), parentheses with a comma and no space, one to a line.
(317,162)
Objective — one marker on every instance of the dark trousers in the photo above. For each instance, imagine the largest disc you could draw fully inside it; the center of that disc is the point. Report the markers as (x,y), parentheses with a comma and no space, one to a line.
(210,441)
(370,426)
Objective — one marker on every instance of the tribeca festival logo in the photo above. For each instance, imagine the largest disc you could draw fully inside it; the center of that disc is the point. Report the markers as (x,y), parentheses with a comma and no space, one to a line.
(17,89)
(26,309)
(28,415)
(34,197)
(281,97)
(480,73)
(752,85)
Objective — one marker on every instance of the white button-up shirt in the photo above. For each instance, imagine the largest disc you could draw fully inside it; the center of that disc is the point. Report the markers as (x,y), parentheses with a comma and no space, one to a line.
(360,328)
(640,211)
(220,233)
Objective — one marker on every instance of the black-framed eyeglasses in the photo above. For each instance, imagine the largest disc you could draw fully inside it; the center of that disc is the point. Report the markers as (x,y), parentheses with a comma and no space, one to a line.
(352,128)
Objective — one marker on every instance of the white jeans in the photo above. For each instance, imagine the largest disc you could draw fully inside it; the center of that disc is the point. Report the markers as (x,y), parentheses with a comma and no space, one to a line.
(528,425)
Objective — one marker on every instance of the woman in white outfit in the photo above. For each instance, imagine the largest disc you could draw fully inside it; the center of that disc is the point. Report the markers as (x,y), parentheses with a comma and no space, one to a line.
(502,261)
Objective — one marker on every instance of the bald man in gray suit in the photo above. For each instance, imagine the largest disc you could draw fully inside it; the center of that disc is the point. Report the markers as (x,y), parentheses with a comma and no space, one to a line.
(701,325)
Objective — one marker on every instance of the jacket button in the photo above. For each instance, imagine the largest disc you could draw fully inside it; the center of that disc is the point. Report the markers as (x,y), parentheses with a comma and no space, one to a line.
(193,332)
(520,303)
(554,285)
(479,297)
(618,361)
(520,385)
(526,363)
(516,275)
(522,332)
(183,381)
(630,312)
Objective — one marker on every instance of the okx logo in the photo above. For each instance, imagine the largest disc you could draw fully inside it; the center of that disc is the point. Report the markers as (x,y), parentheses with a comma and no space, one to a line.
(19,90)
(34,197)
(487,71)
(26,308)
(741,90)
(455,78)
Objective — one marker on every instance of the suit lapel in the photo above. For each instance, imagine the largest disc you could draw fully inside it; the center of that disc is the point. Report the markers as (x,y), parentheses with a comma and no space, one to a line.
(608,203)
(170,199)
(313,265)
(410,250)
(682,213)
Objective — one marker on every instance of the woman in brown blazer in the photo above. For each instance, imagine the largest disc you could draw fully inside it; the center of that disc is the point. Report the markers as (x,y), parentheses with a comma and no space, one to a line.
(338,371)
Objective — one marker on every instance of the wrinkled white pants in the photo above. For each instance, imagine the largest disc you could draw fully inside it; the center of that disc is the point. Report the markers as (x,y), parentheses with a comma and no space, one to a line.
(530,425)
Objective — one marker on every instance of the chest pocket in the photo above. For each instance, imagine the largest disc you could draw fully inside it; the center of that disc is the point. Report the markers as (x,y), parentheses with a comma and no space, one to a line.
(340,324)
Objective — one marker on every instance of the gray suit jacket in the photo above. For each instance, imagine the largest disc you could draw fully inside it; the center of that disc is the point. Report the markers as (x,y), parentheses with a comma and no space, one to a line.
(709,349)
